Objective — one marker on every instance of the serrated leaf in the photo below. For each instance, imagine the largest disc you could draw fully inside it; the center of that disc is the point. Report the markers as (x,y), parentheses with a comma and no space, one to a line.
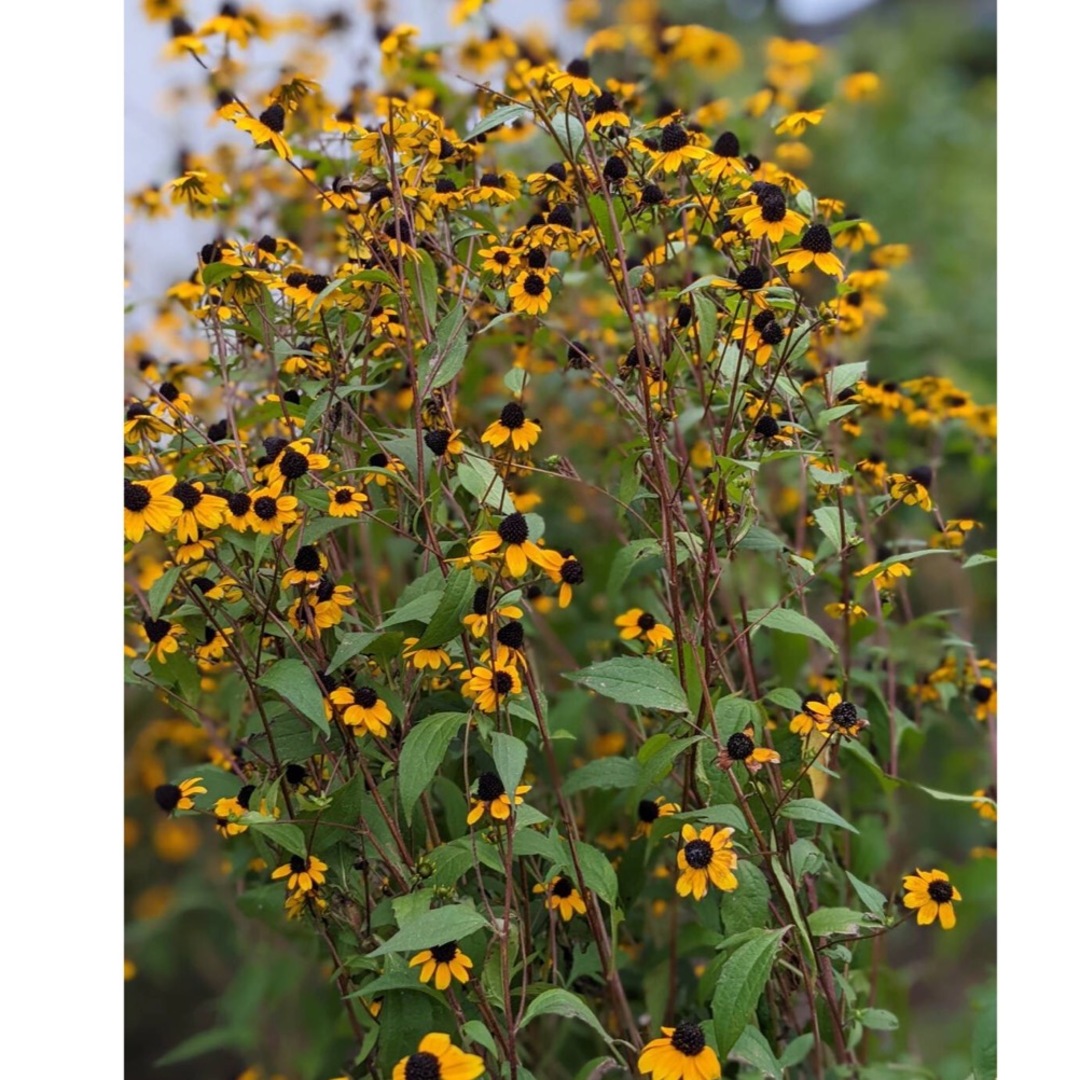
(450,923)
(422,753)
(292,680)
(755,1050)
(510,755)
(793,622)
(816,811)
(828,520)
(611,772)
(446,622)
(844,375)
(835,920)
(635,680)
(785,697)
(742,979)
(563,1003)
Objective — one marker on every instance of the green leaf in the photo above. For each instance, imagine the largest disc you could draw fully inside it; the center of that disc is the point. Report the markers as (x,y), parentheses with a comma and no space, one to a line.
(423,752)
(792,622)
(705,311)
(871,898)
(844,375)
(160,590)
(281,833)
(349,646)
(755,1050)
(629,556)
(835,920)
(480,480)
(796,1050)
(202,1042)
(451,923)
(980,558)
(635,680)
(828,520)
(785,697)
(505,114)
(563,1003)
(478,1033)
(747,906)
(446,622)
(984,1044)
(741,981)
(292,680)
(422,609)
(216,272)
(610,772)
(816,811)
(597,870)
(446,355)
(878,1020)
(510,755)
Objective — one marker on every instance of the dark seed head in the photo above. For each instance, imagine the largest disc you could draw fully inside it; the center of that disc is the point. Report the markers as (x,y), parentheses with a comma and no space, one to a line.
(646,621)
(773,208)
(399,230)
(265,507)
(168,391)
(136,497)
(167,796)
(615,169)
(218,431)
(444,185)
(503,683)
(136,409)
(239,503)
(490,179)
(750,279)
(652,195)
(298,864)
(423,1066)
(379,460)
(940,891)
(480,600)
(437,441)
(561,215)
(773,334)
(982,693)
(512,635)
(577,355)
(727,145)
(578,68)
(537,258)
(761,320)
(766,427)
(817,239)
(647,811)
(156,629)
(921,474)
(179,26)
(740,746)
(673,137)
(243,796)
(210,253)
(572,572)
(688,1038)
(273,445)
(443,954)
(295,279)
(514,529)
(753,162)
(562,887)
(188,494)
(273,118)
(307,559)
(365,697)
(293,464)
(512,416)
(267,244)
(295,773)
(534,285)
(846,394)
(489,787)
(698,853)
(315,283)
(845,715)
(556,170)
(817,699)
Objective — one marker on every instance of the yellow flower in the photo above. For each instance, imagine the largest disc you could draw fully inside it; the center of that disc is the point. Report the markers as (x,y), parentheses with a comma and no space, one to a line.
(513,425)
(265,130)
(364,710)
(198,509)
(807,722)
(443,962)
(490,685)
(675,149)
(837,714)
(303,874)
(705,857)
(271,511)
(491,797)
(437,1057)
(636,623)
(346,501)
(680,1054)
(985,803)
(147,504)
(814,249)
(852,612)
(575,78)
(984,694)
(425,658)
(860,86)
(929,892)
(740,747)
(530,293)
(294,460)
(180,796)
(162,636)
(649,810)
(498,260)
(308,566)
(477,620)
(911,488)
(513,530)
(795,123)
(562,897)
(885,577)
(566,571)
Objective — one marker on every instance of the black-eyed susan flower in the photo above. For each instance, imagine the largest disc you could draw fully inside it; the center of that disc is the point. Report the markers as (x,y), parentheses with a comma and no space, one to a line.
(561,897)
(491,798)
(513,531)
(706,857)
(307,568)
(575,78)
(387,465)
(650,810)
(912,488)
(873,467)
(227,810)
(726,159)
(855,233)
(364,710)
(180,796)
(795,123)
(846,609)
(215,642)
(640,623)
(769,215)
(148,505)
(885,578)
(141,423)
(806,722)
(606,110)
(238,510)
(163,637)
(199,508)
(530,293)
(675,149)
(442,963)
(438,1059)
(499,260)
(767,430)
(442,442)
(681,1053)
(303,873)
(513,425)
(741,747)
(984,694)
(265,129)
(295,460)
(346,501)
(271,511)
(491,685)
(931,895)
(477,620)
(564,568)
(814,249)
(838,714)
(425,658)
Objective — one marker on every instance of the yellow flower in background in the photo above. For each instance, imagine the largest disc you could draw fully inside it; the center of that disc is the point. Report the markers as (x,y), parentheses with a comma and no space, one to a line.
(651,810)
(986,803)
(303,873)
(442,963)
(512,425)
(491,798)
(562,897)
(930,893)
(640,623)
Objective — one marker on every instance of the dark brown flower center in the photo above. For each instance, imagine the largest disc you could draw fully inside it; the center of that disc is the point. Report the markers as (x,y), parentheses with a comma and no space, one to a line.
(136,496)
(940,891)
(698,853)
(489,787)
(688,1039)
